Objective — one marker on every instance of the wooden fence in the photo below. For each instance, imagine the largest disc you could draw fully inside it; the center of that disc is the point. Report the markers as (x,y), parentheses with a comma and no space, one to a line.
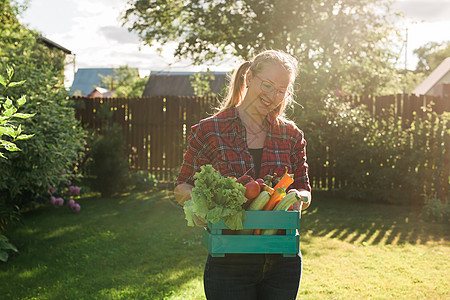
(156,128)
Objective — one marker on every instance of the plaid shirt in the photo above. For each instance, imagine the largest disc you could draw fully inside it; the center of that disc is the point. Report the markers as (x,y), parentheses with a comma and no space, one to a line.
(221,141)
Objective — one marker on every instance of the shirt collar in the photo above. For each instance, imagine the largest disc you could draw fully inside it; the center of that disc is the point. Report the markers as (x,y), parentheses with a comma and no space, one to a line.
(232,114)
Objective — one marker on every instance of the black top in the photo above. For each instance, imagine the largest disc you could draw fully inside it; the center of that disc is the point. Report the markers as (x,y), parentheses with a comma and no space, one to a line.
(257,155)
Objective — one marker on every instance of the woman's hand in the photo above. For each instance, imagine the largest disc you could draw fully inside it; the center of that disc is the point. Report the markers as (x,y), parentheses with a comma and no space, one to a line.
(182,192)
(305,197)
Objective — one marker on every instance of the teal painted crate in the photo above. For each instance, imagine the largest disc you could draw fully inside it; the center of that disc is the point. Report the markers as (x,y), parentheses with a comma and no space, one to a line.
(218,245)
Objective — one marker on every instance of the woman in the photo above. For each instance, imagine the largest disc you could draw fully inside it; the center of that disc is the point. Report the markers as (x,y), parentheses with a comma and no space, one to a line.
(250,134)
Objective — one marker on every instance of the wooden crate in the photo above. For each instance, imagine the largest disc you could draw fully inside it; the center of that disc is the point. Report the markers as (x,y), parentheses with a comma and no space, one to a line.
(218,244)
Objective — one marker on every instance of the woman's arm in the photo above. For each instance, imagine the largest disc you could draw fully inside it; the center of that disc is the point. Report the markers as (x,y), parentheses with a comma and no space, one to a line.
(183,192)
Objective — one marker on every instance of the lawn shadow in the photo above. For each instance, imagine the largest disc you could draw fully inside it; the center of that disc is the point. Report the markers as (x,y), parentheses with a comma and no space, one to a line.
(369,223)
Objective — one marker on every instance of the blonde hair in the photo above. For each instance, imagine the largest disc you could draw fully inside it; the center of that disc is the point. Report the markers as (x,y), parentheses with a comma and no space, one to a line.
(236,86)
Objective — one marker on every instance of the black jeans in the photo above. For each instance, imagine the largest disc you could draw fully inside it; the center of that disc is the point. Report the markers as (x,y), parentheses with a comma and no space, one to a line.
(252,276)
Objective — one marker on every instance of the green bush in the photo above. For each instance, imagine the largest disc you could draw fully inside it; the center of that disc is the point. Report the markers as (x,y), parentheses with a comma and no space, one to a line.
(58,141)
(435,209)
(106,165)
(376,158)
(142,181)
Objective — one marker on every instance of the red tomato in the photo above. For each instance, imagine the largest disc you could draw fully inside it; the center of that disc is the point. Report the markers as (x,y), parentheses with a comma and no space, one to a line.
(252,189)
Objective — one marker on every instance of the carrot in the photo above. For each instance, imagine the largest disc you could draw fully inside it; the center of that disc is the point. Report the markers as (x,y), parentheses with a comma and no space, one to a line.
(275,198)
(285,181)
(257,232)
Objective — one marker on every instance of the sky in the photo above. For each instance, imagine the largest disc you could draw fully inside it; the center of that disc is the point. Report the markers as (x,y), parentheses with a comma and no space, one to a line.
(92,30)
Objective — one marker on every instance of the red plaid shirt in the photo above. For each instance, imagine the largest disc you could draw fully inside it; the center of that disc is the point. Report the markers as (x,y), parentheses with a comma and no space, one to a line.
(221,141)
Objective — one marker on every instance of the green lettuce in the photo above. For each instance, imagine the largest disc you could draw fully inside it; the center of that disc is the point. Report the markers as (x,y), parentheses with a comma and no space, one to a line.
(214,197)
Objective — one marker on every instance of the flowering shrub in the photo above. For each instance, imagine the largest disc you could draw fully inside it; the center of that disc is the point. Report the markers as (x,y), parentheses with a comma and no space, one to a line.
(67,191)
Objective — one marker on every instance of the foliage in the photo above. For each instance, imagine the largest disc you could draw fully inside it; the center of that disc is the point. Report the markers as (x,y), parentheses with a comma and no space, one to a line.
(125,82)
(143,181)
(380,158)
(58,140)
(67,190)
(106,165)
(4,246)
(435,209)
(431,55)
(346,44)
(215,197)
(200,84)
(8,112)
(402,82)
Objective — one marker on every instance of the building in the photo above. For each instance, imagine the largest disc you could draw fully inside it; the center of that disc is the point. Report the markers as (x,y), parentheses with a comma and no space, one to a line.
(99,92)
(86,80)
(437,84)
(180,83)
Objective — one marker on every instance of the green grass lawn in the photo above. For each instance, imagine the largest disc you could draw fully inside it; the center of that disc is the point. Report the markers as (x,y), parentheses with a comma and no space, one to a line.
(139,247)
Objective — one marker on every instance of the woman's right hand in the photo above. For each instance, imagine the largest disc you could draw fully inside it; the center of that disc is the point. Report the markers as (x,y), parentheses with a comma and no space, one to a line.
(182,192)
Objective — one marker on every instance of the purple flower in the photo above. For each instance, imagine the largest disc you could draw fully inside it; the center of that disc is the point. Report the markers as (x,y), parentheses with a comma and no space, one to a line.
(59,202)
(51,190)
(76,190)
(71,203)
(71,190)
(76,208)
(69,182)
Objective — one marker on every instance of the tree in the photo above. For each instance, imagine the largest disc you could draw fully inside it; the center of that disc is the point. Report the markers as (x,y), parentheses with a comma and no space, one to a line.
(431,55)
(344,44)
(58,139)
(125,82)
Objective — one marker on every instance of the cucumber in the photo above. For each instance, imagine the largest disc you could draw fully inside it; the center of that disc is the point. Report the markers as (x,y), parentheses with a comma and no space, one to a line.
(283,205)
(259,202)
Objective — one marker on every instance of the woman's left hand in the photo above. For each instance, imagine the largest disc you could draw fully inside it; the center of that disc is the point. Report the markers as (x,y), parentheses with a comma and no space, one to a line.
(305,197)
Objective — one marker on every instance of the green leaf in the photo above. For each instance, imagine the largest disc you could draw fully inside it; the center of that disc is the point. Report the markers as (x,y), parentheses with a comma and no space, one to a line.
(22,100)
(24,136)
(10,71)
(13,84)
(6,131)
(7,246)
(2,80)
(8,104)
(3,130)
(3,256)
(10,146)
(9,112)
(23,116)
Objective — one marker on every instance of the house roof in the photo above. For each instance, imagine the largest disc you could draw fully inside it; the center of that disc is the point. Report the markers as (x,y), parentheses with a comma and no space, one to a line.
(102,91)
(52,44)
(179,83)
(433,78)
(87,79)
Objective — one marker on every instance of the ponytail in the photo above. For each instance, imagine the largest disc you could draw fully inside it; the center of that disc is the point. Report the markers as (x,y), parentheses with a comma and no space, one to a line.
(236,87)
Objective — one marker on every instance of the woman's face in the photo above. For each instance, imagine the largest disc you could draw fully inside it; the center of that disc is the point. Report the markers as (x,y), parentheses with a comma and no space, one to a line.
(267,89)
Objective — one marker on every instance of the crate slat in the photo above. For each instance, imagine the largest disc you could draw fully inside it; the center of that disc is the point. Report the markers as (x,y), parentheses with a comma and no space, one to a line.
(218,245)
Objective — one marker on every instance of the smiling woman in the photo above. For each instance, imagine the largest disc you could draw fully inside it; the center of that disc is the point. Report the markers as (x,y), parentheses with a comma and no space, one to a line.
(250,135)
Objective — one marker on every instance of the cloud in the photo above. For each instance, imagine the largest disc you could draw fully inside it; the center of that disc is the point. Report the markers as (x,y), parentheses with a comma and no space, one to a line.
(119,34)
(428,11)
